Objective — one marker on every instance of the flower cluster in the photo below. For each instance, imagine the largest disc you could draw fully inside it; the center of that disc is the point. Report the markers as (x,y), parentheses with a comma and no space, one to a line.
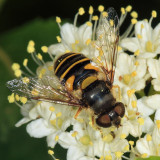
(134,72)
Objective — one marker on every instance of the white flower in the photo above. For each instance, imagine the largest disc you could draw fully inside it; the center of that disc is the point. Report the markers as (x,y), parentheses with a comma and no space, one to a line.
(51,123)
(148,105)
(73,39)
(146,43)
(154,70)
(85,142)
(134,121)
(130,72)
(150,144)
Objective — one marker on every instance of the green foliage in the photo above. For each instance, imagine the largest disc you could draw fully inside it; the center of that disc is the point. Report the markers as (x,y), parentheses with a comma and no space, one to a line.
(15,143)
(150,158)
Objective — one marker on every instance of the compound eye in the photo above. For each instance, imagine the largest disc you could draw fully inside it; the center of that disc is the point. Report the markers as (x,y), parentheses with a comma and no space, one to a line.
(119,109)
(103,120)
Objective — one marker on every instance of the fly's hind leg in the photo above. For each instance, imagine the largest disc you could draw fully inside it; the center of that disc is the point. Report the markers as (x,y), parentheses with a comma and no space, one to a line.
(117,96)
(78,112)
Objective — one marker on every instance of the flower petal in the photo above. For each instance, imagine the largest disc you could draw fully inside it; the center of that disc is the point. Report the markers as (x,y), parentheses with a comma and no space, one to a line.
(51,140)
(68,32)
(157,115)
(156,84)
(39,128)
(130,44)
(153,67)
(74,153)
(153,101)
(22,121)
(66,140)
(145,32)
(143,108)
(148,125)
(57,49)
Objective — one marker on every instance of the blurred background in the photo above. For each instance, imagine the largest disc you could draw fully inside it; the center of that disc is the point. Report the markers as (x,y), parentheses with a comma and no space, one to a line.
(21,21)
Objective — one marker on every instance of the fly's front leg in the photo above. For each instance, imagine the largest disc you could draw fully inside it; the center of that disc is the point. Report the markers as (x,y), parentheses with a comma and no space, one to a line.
(117,96)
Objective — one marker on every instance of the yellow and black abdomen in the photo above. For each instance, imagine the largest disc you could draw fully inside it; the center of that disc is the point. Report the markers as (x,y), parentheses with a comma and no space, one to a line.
(75,71)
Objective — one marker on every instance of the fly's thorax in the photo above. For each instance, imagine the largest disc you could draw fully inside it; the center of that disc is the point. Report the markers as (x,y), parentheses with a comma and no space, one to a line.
(98,97)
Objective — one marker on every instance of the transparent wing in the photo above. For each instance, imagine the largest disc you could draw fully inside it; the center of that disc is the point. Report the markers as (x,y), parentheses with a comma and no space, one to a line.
(107,42)
(47,89)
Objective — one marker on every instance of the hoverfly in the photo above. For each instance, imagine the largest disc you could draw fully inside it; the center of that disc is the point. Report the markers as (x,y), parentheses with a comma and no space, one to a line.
(78,81)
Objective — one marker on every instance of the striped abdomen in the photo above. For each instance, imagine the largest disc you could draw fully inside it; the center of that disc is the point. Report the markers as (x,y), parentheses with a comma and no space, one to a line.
(76,71)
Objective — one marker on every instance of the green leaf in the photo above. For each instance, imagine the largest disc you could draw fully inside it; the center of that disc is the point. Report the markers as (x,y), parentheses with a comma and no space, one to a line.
(150,158)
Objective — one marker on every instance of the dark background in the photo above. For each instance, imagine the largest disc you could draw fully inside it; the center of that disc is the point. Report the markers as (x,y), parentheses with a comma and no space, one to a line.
(20,21)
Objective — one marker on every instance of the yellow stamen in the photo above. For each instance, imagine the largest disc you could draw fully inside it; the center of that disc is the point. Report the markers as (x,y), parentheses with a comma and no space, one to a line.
(149,46)
(144,155)
(18,73)
(81,11)
(58,19)
(88,42)
(53,122)
(139,36)
(119,48)
(101,8)
(89,23)
(133,21)
(128,8)
(134,14)
(108,138)
(131,92)
(111,22)
(136,53)
(30,47)
(25,80)
(31,43)
(141,121)
(90,10)
(101,158)
(58,39)
(134,73)
(134,104)
(39,56)
(85,140)
(56,138)
(131,143)
(50,152)
(148,137)
(136,63)
(118,154)
(44,49)
(59,114)
(154,14)
(35,92)
(52,109)
(123,10)
(108,157)
(15,66)
(67,51)
(95,18)
(11,98)
(126,148)
(74,134)
(126,78)
(104,14)
(23,100)
(123,136)
(17,97)
(25,62)
(142,26)
(158,124)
